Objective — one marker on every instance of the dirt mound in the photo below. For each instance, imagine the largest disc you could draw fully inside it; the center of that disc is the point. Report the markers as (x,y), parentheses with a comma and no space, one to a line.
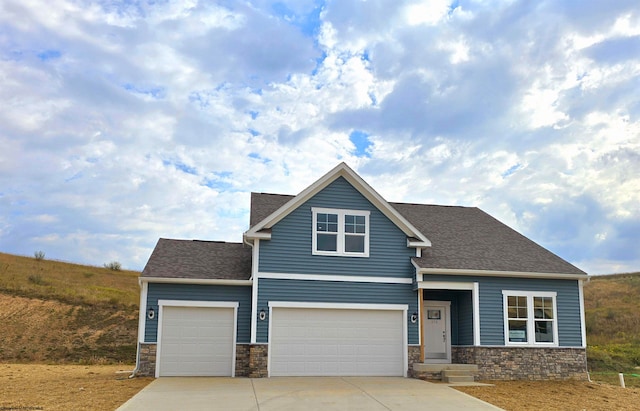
(35,330)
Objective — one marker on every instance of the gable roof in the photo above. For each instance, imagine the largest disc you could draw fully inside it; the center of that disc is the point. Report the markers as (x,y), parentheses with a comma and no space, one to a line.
(193,259)
(463,238)
(261,227)
(467,238)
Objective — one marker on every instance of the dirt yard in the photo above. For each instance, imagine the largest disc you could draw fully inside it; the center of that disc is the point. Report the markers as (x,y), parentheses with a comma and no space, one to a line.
(553,395)
(102,387)
(66,387)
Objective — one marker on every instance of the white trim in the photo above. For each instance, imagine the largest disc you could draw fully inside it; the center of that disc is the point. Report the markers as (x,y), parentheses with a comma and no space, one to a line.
(142,317)
(269,341)
(341,170)
(201,281)
(341,234)
(476,314)
(447,328)
(202,304)
(419,322)
(345,306)
(338,306)
(342,278)
(531,338)
(493,273)
(444,285)
(255,261)
(451,285)
(583,328)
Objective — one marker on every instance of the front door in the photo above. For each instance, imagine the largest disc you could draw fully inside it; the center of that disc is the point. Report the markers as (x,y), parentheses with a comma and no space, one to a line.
(437,331)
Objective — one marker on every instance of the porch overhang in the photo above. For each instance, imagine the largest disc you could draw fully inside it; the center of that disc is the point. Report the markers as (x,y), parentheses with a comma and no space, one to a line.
(422,272)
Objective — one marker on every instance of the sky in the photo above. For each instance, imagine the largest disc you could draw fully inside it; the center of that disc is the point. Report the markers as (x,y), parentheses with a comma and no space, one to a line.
(125,121)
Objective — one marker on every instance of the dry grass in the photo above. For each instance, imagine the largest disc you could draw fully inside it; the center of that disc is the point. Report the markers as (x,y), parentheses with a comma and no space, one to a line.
(66,387)
(612,314)
(66,282)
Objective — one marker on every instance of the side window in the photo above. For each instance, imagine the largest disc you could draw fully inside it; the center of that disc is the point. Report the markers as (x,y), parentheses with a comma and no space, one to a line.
(340,232)
(530,318)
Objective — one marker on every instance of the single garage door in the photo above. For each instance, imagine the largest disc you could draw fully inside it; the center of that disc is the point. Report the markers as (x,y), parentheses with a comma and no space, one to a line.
(196,341)
(336,342)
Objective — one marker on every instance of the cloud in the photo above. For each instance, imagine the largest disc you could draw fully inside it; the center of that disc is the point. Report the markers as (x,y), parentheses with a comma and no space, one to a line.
(128,121)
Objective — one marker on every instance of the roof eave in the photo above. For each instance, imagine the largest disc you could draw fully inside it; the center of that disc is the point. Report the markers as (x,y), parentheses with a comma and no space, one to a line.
(201,281)
(496,273)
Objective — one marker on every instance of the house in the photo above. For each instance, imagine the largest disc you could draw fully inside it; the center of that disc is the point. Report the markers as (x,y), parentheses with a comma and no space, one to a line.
(338,281)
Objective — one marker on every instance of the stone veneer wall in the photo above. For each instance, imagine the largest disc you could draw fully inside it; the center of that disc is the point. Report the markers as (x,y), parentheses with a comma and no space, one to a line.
(258,359)
(242,360)
(147,366)
(251,360)
(520,363)
(413,357)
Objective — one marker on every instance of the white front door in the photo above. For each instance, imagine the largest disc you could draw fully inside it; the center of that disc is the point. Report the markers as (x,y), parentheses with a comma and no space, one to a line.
(437,331)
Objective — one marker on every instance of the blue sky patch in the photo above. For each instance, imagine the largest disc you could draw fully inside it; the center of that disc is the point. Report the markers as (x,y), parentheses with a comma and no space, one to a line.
(155,92)
(511,170)
(49,55)
(179,165)
(360,139)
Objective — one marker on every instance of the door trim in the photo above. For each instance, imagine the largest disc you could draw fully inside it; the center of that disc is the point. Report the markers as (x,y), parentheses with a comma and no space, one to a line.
(447,307)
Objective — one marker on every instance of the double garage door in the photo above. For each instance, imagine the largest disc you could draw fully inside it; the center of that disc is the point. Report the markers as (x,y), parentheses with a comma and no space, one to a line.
(334,342)
(199,341)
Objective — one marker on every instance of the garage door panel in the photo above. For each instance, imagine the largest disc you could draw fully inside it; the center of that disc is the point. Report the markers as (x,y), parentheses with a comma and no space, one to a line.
(317,342)
(196,341)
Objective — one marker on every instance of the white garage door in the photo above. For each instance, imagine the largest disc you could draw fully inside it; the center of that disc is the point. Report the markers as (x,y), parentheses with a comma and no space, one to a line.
(336,342)
(196,341)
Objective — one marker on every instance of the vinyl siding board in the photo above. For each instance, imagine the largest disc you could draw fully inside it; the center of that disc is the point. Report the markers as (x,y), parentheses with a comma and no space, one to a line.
(491,301)
(334,292)
(290,247)
(195,292)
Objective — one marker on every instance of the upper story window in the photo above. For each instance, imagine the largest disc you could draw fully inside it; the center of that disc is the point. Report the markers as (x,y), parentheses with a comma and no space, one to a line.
(530,318)
(340,232)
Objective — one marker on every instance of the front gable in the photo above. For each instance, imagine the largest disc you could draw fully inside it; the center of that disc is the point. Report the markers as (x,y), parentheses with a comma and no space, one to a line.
(262,230)
(290,248)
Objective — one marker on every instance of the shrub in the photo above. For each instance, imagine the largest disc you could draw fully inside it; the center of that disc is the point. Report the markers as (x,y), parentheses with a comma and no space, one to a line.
(113,266)
(39,255)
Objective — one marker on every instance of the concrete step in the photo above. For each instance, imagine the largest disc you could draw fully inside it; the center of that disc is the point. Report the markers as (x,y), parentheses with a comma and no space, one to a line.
(457,373)
(465,374)
(421,367)
(457,378)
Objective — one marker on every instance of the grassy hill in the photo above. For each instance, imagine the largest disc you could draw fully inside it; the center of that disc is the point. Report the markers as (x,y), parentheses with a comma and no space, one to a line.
(52,311)
(612,315)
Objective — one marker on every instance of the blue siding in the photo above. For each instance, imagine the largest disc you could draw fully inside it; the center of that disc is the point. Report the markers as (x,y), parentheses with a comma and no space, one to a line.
(193,292)
(461,313)
(465,318)
(335,292)
(289,250)
(491,311)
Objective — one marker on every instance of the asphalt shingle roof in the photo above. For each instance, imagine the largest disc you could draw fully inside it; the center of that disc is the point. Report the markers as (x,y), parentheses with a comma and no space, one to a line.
(461,238)
(199,260)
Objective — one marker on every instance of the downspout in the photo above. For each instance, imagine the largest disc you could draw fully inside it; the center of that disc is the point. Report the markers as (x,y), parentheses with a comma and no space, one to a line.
(140,314)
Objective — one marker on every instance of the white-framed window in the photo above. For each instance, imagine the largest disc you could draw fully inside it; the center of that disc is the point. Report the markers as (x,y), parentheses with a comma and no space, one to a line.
(530,318)
(340,232)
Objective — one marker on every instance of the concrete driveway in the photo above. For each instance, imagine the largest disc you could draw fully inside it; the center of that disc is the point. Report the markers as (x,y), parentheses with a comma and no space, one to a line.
(300,393)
